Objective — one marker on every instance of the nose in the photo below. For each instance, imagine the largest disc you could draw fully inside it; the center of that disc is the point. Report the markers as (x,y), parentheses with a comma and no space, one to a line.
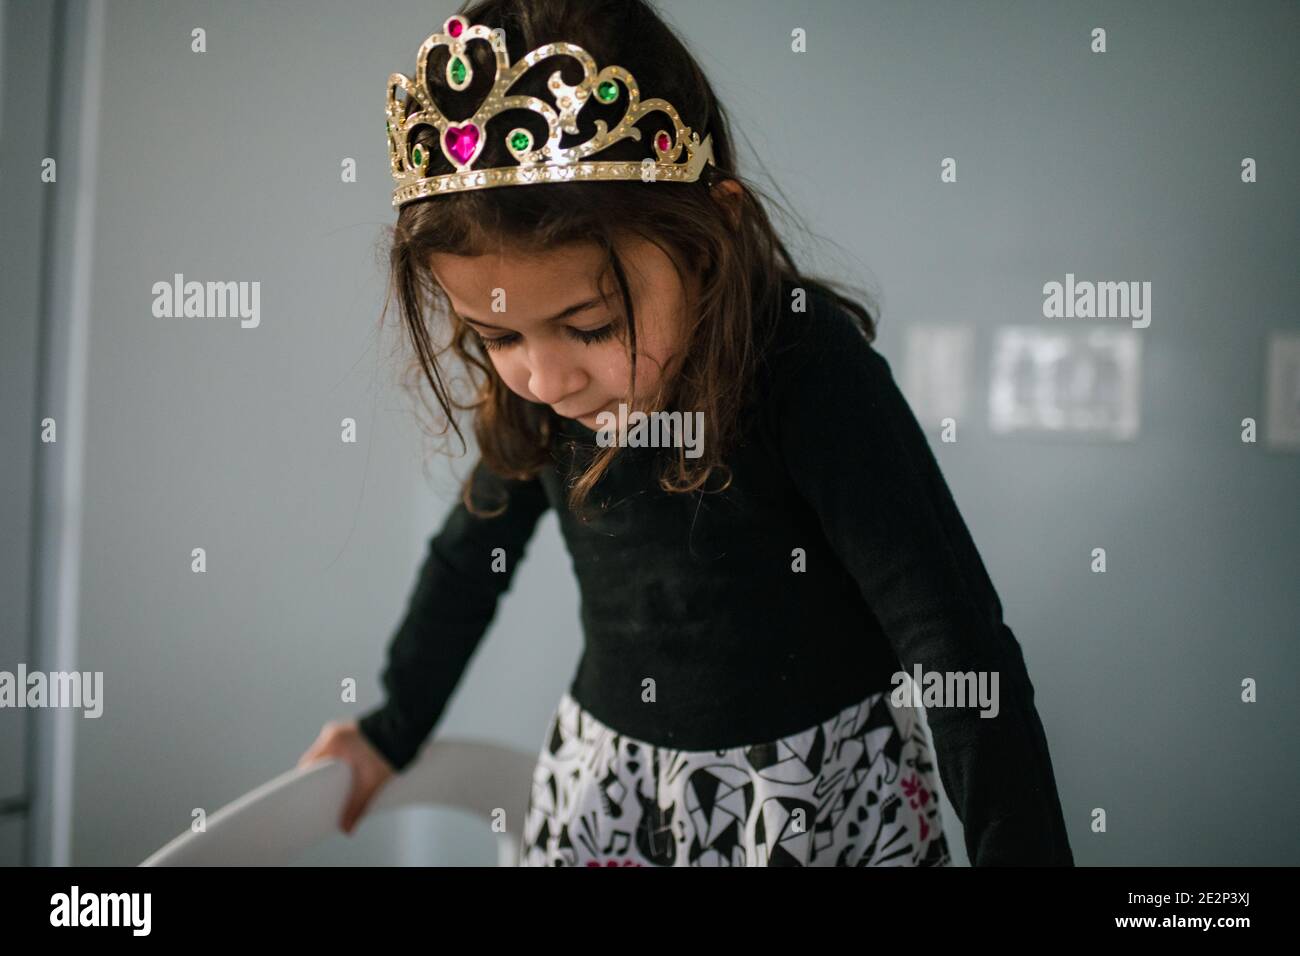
(553,375)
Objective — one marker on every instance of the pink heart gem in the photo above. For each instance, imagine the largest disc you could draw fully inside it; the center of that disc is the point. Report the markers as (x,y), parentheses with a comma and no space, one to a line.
(461,141)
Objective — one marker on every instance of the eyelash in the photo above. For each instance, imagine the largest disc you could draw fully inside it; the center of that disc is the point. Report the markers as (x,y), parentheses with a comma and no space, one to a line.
(585,337)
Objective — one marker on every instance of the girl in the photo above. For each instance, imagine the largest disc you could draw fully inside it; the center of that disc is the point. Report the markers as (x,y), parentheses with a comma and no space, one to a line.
(749,603)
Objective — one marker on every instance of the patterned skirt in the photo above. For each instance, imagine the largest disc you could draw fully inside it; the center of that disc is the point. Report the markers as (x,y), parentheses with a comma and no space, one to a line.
(857,789)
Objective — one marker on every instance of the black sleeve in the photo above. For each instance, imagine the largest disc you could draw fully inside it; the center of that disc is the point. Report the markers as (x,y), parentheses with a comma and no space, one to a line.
(454,601)
(857,453)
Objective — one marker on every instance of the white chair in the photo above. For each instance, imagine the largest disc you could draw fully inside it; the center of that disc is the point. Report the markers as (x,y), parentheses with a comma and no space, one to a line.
(275,823)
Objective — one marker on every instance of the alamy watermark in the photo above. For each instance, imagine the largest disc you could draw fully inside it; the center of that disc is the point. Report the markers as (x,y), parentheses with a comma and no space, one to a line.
(1098,300)
(212,300)
(652,430)
(53,689)
(931,689)
(75,908)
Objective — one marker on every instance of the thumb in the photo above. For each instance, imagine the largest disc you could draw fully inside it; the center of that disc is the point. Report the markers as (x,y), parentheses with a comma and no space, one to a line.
(358,799)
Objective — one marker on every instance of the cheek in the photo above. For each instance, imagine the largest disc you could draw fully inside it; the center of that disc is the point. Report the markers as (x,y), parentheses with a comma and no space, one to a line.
(610,365)
(513,372)
(650,361)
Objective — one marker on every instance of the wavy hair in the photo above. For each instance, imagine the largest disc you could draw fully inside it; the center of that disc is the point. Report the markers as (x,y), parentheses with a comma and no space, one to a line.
(738,259)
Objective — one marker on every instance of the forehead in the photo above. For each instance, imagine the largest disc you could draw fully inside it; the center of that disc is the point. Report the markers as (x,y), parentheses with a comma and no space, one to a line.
(540,279)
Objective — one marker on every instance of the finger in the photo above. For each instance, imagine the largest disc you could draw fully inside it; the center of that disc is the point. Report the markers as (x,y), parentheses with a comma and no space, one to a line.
(315,752)
(318,754)
(350,816)
(356,805)
(318,747)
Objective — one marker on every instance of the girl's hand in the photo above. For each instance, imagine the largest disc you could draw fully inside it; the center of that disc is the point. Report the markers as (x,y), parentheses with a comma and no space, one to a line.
(370,771)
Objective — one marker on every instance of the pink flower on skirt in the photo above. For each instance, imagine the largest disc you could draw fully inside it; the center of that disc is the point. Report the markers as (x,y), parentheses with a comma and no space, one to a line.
(613,863)
(915,792)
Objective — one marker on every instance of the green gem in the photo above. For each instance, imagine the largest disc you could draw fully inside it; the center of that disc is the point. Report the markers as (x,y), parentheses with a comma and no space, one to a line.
(519,141)
(417,156)
(390,127)
(458,71)
(607,91)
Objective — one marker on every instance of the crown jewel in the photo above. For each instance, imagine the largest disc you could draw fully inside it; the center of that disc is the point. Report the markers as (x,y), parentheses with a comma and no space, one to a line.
(462,142)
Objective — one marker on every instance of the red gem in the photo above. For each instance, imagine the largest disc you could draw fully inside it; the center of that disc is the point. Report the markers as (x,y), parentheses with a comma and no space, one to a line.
(454,26)
(461,141)
(663,142)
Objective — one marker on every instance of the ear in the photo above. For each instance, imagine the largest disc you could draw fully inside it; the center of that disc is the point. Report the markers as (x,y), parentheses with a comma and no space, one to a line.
(729,193)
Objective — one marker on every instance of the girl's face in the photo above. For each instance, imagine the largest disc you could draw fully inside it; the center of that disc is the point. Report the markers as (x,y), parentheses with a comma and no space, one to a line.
(549,334)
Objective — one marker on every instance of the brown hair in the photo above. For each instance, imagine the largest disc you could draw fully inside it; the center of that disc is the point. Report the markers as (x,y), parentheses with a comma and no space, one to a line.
(741,265)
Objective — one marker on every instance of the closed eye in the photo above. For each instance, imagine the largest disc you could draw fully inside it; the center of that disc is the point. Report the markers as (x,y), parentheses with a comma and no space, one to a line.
(585,336)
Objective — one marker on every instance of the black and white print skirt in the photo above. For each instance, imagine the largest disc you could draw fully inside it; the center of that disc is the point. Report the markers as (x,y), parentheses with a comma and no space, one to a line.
(855,790)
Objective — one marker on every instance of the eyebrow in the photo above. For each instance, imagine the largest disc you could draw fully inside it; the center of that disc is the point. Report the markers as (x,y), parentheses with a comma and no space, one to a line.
(571,310)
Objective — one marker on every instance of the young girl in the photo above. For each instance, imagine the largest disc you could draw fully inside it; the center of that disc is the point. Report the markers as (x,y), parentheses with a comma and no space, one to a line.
(569,204)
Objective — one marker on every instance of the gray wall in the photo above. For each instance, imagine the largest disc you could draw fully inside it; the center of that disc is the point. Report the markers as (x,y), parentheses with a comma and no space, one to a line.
(225,166)
(22,213)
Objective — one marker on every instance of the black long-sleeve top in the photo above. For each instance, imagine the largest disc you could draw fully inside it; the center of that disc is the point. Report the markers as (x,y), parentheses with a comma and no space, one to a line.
(700,592)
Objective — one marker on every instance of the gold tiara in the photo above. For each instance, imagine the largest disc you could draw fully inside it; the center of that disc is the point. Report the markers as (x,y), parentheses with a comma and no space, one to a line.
(461,143)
